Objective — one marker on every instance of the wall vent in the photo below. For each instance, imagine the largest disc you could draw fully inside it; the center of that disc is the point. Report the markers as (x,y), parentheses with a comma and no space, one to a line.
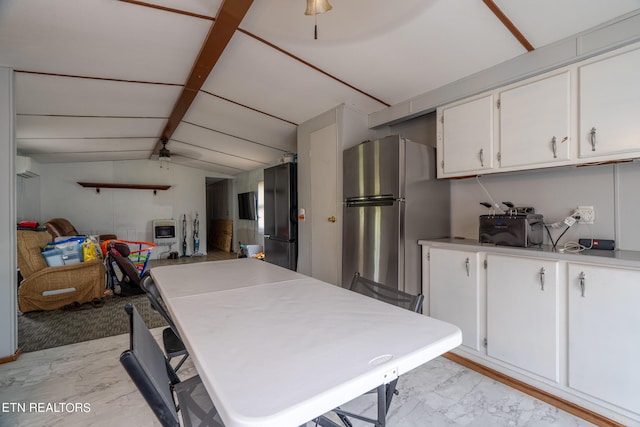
(23,167)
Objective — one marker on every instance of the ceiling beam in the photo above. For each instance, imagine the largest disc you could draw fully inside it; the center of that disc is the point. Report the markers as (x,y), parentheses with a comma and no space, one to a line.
(266,42)
(225,25)
(510,26)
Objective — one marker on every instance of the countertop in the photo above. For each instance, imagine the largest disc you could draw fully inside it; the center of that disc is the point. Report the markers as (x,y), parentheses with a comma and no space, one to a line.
(593,256)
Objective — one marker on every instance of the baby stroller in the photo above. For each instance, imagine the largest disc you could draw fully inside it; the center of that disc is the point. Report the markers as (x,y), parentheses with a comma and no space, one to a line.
(124,266)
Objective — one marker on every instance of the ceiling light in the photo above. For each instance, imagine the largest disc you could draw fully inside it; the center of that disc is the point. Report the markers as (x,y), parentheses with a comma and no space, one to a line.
(316,7)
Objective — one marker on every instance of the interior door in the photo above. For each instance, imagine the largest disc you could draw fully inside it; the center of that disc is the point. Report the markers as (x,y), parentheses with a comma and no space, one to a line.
(325,228)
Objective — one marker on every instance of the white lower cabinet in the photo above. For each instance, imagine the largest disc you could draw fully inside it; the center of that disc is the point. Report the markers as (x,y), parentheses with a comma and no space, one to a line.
(454,294)
(604,333)
(569,328)
(523,313)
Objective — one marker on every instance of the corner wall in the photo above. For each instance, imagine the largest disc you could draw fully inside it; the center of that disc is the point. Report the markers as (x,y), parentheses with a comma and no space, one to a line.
(8,281)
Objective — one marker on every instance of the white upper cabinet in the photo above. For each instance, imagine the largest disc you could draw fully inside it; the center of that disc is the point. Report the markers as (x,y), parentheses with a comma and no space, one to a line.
(535,122)
(465,137)
(610,106)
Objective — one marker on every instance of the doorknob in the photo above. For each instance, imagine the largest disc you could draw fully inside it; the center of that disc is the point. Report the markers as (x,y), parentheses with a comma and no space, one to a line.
(331,219)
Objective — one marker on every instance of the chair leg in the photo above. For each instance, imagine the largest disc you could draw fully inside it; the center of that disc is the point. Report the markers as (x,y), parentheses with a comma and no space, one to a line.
(181,362)
(323,421)
(345,420)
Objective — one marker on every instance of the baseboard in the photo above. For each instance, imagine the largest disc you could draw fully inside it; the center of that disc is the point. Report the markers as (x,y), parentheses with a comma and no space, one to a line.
(11,358)
(546,397)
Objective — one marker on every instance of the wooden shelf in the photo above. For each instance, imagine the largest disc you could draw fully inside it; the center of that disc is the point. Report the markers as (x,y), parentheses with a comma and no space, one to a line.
(99,185)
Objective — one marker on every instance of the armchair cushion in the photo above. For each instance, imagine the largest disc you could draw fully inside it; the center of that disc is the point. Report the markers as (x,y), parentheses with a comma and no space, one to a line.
(30,244)
(58,227)
(50,288)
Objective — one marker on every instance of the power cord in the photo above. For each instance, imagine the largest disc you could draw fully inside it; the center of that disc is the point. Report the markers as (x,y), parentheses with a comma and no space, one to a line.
(495,205)
(568,222)
(575,247)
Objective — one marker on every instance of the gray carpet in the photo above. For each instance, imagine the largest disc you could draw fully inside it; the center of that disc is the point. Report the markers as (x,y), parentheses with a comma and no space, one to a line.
(38,330)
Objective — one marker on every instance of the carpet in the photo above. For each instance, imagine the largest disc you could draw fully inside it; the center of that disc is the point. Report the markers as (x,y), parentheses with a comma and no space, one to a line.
(38,330)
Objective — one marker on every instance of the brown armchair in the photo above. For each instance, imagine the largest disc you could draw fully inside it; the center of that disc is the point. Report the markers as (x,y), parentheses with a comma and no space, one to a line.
(50,288)
(59,227)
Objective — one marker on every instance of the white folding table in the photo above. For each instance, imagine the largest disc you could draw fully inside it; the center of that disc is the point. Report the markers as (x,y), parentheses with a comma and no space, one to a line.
(277,348)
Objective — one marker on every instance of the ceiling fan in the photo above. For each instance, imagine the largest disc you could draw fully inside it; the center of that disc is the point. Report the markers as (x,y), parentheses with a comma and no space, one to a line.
(164,155)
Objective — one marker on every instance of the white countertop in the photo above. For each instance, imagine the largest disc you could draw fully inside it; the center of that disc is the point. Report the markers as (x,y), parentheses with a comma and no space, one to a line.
(593,256)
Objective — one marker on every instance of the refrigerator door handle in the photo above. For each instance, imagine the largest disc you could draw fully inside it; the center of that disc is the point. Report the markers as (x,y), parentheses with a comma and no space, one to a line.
(371,201)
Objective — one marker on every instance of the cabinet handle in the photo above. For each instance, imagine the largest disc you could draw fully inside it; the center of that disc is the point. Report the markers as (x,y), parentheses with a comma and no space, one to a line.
(593,139)
(554,147)
(466,264)
(482,157)
(582,285)
(542,279)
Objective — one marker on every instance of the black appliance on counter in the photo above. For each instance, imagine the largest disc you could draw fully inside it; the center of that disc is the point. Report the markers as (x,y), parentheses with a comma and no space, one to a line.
(513,228)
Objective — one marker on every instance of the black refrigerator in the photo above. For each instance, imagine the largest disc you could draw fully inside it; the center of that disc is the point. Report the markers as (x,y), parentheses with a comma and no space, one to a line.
(280,215)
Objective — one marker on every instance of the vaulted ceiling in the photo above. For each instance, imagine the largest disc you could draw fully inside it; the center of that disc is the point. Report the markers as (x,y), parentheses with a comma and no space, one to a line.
(227,82)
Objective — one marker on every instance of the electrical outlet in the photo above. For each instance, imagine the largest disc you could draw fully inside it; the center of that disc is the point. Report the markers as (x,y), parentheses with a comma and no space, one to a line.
(586,213)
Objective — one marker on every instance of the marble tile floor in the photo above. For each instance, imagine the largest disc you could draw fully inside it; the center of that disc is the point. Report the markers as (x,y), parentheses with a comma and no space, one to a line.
(88,374)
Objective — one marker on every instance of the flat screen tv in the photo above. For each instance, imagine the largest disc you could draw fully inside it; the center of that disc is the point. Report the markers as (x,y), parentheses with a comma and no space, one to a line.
(247,205)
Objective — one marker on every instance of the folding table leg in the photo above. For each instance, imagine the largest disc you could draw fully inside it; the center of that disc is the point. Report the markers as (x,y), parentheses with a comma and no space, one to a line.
(382,405)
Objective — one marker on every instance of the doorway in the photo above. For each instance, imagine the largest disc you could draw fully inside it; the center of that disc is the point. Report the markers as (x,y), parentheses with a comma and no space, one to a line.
(220,227)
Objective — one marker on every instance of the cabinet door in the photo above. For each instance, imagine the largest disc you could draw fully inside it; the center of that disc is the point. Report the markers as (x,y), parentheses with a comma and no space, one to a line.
(465,139)
(610,106)
(454,293)
(604,342)
(522,313)
(535,122)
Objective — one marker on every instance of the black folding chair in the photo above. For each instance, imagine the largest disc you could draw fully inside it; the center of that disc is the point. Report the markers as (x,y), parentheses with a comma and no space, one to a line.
(385,392)
(173,345)
(158,383)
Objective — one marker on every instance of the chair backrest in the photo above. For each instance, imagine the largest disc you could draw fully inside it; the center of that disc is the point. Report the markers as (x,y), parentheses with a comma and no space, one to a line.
(119,252)
(58,227)
(148,368)
(386,293)
(149,287)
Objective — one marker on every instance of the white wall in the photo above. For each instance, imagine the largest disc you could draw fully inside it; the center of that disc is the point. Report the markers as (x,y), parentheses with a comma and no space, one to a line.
(555,192)
(27,198)
(125,212)
(8,284)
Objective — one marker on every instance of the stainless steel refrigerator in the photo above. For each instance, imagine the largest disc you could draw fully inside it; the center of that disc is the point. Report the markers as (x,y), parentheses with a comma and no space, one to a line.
(392,200)
(280,215)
